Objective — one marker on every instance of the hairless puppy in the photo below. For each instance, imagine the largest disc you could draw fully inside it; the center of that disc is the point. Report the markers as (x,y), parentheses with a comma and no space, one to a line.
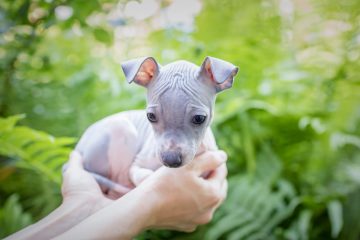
(123,149)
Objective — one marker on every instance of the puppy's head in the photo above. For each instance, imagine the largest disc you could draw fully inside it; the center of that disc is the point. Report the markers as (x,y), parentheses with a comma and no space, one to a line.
(181,99)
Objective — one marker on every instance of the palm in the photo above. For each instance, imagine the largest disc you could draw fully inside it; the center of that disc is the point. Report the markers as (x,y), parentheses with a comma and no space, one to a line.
(79,184)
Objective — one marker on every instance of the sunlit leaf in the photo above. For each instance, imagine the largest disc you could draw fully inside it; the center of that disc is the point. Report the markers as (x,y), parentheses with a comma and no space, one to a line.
(336,217)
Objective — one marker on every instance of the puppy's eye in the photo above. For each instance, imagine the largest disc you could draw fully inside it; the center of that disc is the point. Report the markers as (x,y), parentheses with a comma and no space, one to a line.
(198,119)
(151,117)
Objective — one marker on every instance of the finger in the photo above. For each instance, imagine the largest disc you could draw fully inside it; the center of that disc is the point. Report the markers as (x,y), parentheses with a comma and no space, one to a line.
(216,176)
(75,160)
(189,229)
(216,185)
(206,217)
(224,189)
(217,179)
(219,174)
(183,228)
(207,161)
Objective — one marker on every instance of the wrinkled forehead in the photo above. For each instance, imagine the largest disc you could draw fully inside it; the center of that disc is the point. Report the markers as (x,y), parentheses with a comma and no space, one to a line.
(179,70)
(179,79)
(177,105)
(180,100)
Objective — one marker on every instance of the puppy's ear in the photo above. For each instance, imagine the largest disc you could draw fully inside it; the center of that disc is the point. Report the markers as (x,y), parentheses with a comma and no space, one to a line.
(218,73)
(141,70)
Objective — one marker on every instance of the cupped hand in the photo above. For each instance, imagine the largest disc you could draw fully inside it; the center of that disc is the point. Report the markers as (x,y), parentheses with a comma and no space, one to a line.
(178,199)
(79,185)
(184,199)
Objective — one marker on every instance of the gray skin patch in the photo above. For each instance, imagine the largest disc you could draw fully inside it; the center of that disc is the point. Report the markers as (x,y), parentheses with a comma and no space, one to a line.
(96,155)
(94,152)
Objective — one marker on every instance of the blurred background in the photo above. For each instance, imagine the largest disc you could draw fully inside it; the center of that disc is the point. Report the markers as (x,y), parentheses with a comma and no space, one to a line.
(290,124)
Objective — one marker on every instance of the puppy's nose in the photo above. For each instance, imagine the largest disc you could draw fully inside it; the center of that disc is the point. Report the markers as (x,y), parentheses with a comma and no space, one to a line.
(171,159)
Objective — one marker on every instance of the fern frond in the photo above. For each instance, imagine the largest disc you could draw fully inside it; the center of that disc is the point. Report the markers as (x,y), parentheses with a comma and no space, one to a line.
(34,149)
(12,216)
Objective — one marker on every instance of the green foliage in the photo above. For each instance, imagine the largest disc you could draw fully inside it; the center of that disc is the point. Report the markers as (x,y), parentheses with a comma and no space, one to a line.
(252,210)
(33,149)
(255,206)
(351,208)
(336,218)
(31,163)
(290,124)
(299,229)
(12,216)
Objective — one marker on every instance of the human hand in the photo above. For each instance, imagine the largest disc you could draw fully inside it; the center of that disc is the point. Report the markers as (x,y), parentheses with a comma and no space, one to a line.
(182,198)
(82,197)
(80,186)
(178,199)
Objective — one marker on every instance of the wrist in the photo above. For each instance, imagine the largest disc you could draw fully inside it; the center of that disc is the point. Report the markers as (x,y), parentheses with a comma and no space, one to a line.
(123,218)
(145,205)
(84,206)
(150,202)
(76,210)
(67,215)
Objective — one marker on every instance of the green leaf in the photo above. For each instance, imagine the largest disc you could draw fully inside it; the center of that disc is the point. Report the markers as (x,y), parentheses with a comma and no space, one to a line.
(35,150)
(335,212)
(304,224)
(351,212)
(103,36)
(12,216)
(6,124)
(253,209)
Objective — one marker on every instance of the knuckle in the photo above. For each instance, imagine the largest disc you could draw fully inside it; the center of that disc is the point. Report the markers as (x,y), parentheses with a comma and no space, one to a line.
(222,198)
(216,200)
(206,218)
(214,197)
(189,229)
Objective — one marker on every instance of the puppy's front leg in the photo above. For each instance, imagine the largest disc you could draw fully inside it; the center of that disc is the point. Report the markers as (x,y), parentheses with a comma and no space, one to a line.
(138,174)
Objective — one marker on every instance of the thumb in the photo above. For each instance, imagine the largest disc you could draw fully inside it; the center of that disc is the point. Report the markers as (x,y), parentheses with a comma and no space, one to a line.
(208,161)
(75,161)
